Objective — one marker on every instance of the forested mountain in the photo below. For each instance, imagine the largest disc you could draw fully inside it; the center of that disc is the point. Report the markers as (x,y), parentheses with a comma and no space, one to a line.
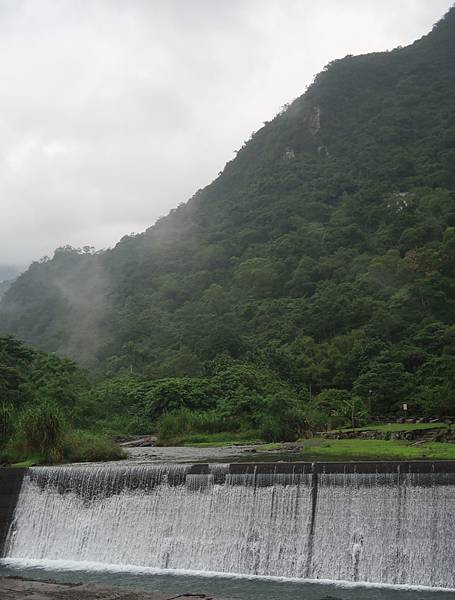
(7,275)
(322,257)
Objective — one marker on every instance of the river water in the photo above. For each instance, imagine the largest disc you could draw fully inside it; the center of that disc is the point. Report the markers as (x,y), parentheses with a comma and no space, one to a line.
(221,586)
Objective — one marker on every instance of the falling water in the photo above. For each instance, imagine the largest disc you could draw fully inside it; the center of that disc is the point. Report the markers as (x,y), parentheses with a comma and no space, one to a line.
(386,528)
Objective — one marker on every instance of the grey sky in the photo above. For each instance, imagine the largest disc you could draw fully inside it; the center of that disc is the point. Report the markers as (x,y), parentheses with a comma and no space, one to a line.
(114,111)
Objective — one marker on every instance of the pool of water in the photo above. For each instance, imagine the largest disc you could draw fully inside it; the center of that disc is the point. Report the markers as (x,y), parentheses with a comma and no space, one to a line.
(227,587)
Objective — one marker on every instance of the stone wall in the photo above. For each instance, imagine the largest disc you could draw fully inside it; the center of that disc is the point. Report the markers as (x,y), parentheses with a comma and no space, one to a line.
(422,435)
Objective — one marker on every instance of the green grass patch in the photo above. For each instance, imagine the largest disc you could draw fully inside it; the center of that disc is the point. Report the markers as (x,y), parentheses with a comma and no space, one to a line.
(358,449)
(395,427)
(30,462)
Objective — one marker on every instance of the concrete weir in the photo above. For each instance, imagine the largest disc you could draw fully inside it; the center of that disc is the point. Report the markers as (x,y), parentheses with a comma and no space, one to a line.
(416,466)
(380,522)
(10,486)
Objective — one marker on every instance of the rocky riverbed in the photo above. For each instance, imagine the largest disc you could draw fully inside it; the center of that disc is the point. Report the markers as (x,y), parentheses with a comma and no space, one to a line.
(190,454)
(12,588)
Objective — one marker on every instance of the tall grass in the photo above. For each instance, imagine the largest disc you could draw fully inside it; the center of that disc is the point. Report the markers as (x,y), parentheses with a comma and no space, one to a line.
(85,446)
(172,427)
(42,428)
(40,434)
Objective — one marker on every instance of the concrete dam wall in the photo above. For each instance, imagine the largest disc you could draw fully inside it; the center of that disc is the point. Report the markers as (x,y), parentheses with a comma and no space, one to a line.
(391,523)
(10,485)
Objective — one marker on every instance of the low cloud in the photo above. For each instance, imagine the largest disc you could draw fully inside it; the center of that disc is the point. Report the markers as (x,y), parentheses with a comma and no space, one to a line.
(113,112)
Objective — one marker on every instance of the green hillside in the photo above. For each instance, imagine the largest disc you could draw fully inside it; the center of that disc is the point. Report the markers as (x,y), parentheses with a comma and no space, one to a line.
(322,258)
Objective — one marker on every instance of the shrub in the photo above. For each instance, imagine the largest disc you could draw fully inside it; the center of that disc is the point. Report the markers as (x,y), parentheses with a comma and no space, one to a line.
(173,426)
(121,425)
(84,446)
(242,389)
(42,428)
(336,408)
(282,419)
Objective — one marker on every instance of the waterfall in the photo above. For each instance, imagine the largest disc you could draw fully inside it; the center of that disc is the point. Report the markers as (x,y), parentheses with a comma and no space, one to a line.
(395,527)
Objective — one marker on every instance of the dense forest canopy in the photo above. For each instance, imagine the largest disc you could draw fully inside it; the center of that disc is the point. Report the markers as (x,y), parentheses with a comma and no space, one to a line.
(319,264)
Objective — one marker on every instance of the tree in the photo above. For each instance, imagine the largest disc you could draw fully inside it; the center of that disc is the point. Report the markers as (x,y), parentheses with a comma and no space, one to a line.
(258,275)
(339,407)
(282,417)
(383,386)
(171,395)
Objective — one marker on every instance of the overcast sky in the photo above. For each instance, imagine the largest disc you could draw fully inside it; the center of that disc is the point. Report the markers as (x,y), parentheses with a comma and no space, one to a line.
(114,111)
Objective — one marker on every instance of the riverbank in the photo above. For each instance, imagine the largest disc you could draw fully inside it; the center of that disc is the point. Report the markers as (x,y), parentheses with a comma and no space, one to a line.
(388,442)
(315,449)
(308,450)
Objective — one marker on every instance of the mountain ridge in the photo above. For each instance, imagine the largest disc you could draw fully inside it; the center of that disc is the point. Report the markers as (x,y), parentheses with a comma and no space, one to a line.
(328,236)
